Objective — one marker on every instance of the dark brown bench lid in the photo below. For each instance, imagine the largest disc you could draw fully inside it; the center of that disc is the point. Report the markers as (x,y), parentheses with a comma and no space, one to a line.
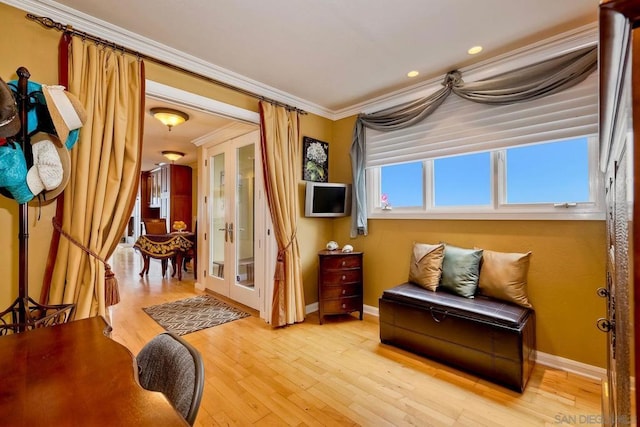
(479,308)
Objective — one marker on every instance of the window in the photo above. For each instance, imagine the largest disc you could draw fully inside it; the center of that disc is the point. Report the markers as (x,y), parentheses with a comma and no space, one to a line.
(557,172)
(462,180)
(402,185)
(530,160)
(557,179)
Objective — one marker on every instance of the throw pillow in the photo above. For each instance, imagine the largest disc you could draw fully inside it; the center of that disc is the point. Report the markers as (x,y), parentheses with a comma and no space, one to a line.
(426,265)
(504,276)
(461,270)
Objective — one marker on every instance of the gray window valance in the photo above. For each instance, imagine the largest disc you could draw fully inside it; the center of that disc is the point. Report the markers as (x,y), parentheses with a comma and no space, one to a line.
(524,84)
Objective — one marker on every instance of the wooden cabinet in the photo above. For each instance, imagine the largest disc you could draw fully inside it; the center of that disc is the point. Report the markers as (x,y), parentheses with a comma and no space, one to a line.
(619,65)
(167,193)
(339,283)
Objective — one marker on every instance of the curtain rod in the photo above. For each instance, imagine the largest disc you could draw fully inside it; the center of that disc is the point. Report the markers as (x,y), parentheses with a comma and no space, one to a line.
(50,23)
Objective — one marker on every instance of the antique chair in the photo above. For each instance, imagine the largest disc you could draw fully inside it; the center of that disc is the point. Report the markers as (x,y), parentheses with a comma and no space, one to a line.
(155,225)
(172,366)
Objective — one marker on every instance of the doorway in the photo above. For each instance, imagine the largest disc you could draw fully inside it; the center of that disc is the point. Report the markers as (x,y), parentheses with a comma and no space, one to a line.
(234,204)
(233,123)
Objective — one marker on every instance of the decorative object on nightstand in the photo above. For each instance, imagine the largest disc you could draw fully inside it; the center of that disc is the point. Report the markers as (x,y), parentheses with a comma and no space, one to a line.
(332,246)
(340,282)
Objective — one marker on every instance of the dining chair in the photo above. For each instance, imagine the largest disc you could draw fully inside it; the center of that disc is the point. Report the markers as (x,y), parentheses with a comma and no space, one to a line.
(192,254)
(172,366)
(155,225)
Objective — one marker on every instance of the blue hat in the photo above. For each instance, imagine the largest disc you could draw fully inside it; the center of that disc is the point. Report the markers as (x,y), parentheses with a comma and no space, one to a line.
(13,172)
(39,117)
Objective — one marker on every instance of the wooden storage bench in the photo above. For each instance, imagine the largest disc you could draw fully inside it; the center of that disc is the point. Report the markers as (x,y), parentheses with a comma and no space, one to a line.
(487,337)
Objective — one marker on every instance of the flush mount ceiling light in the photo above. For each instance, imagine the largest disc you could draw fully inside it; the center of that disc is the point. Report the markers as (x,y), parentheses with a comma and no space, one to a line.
(412,73)
(169,117)
(474,50)
(173,155)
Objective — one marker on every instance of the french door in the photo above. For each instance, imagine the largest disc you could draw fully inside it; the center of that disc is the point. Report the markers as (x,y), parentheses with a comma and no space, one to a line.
(235,205)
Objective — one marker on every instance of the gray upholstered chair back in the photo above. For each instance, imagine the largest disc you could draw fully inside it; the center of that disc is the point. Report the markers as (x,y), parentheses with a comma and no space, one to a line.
(171,365)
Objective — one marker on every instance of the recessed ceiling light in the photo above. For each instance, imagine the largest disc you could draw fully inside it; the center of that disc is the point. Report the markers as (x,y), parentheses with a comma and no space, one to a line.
(474,50)
(412,73)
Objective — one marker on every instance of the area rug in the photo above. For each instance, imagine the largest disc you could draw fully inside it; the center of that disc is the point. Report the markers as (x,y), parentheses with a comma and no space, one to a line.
(193,314)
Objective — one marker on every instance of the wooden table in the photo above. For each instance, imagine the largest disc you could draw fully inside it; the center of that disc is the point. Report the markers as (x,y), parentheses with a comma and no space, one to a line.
(172,246)
(74,375)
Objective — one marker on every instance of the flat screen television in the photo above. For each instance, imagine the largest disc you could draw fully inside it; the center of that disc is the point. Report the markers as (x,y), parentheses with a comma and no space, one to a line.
(323,199)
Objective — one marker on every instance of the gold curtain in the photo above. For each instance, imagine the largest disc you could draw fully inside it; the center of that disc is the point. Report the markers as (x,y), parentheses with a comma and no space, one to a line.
(280,143)
(105,171)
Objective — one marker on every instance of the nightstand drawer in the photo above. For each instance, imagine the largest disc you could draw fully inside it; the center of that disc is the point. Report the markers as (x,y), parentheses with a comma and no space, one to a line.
(338,277)
(342,305)
(347,290)
(341,261)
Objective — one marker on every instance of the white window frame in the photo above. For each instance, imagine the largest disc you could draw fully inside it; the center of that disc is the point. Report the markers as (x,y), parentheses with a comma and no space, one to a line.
(499,209)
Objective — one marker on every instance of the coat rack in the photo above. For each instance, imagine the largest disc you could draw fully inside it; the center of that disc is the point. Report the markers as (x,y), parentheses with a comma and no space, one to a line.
(25,313)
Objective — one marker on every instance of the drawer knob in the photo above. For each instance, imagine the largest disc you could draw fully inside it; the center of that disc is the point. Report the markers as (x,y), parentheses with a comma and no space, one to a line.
(344,277)
(344,306)
(343,263)
(344,291)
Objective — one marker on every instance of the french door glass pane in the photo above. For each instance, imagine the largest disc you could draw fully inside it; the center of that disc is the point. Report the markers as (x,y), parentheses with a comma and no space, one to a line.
(245,214)
(218,226)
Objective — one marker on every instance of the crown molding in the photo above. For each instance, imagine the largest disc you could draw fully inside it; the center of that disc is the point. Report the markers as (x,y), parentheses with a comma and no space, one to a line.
(133,41)
(563,43)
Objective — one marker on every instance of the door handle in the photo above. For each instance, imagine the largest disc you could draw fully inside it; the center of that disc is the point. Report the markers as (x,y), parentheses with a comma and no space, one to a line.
(230,229)
(226,232)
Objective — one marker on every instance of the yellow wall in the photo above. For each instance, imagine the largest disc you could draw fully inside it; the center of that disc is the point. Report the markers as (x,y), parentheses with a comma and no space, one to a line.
(35,48)
(568,260)
(314,233)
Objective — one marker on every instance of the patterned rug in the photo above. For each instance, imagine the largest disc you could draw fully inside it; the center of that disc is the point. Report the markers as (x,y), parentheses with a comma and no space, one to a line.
(193,314)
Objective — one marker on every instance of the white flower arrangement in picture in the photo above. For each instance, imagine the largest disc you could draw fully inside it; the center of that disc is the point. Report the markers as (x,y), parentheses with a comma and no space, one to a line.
(315,160)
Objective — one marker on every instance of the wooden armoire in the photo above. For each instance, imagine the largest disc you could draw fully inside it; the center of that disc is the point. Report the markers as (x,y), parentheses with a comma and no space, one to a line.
(166,192)
(619,65)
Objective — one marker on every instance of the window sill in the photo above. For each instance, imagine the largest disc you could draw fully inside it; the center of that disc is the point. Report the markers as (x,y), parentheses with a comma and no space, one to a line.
(491,216)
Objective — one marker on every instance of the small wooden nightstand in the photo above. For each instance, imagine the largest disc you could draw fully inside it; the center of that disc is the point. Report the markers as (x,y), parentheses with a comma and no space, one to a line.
(339,283)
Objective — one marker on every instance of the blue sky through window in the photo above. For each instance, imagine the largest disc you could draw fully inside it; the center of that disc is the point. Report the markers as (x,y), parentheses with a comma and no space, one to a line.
(463,180)
(553,173)
(545,173)
(403,184)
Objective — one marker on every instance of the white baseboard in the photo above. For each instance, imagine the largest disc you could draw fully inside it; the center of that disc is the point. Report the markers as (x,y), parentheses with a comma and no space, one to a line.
(311,308)
(546,359)
(572,366)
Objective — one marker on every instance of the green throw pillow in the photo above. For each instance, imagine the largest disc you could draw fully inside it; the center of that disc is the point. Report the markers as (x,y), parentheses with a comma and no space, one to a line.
(461,270)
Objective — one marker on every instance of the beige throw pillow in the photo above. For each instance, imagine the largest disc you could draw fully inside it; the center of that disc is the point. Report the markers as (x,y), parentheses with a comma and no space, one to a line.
(504,276)
(426,265)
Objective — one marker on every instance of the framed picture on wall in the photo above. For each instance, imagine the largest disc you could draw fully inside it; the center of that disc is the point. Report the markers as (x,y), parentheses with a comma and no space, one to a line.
(315,160)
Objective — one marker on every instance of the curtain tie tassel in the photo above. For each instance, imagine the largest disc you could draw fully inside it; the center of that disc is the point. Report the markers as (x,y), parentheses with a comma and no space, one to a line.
(111,291)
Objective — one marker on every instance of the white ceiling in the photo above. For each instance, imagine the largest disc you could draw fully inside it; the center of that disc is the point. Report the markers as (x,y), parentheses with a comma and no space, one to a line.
(328,54)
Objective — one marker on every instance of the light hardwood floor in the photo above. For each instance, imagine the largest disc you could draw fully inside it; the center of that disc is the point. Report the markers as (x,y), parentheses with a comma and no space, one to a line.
(338,373)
